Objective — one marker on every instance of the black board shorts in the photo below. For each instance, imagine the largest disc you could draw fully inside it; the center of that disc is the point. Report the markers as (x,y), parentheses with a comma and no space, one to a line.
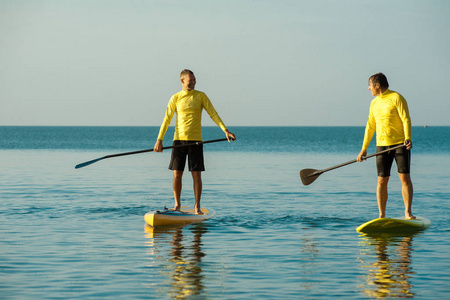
(194,154)
(402,158)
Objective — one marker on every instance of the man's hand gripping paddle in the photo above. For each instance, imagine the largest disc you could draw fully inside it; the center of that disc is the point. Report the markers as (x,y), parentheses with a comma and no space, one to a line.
(308,176)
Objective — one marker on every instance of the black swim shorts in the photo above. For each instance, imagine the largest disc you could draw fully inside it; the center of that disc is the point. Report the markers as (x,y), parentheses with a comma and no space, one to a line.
(194,154)
(384,161)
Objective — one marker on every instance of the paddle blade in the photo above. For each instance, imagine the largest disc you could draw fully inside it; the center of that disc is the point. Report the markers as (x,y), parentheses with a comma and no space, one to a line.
(308,176)
(88,163)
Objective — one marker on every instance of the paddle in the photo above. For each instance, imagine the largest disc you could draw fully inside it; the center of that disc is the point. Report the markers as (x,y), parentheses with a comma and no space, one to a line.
(143,151)
(308,176)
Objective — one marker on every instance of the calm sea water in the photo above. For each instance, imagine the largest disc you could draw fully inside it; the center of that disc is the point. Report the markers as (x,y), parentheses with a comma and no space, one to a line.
(80,234)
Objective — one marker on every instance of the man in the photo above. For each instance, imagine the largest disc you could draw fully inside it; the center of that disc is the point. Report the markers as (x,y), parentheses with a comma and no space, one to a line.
(389,117)
(188,105)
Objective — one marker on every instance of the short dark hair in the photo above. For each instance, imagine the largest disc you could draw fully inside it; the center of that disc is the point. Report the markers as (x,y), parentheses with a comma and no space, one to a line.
(186,72)
(381,79)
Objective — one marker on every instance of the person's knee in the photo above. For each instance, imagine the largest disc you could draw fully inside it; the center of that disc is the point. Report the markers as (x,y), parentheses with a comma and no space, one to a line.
(196,174)
(177,174)
(383,181)
(405,178)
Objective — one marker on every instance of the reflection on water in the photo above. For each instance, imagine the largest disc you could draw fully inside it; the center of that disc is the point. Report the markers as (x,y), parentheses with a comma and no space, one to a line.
(310,252)
(386,258)
(181,256)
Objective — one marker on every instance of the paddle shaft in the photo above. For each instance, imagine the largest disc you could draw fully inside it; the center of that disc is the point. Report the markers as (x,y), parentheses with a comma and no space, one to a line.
(353,161)
(165,148)
(143,151)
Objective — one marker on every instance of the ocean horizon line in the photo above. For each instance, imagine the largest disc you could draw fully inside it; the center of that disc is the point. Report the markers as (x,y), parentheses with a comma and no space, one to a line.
(211,126)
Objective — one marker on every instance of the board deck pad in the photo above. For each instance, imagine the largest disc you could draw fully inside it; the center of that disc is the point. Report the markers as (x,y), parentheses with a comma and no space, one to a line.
(167,217)
(381,225)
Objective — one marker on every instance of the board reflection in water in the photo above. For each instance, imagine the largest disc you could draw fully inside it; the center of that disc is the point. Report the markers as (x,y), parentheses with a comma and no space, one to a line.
(386,261)
(177,254)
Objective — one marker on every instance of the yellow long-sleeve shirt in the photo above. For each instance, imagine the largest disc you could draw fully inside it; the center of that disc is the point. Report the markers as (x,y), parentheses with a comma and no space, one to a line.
(389,117)
(188,106)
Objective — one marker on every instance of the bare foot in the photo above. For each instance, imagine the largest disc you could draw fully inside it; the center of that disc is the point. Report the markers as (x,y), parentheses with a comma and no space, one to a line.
(198,212)
(176,209)
(410,217)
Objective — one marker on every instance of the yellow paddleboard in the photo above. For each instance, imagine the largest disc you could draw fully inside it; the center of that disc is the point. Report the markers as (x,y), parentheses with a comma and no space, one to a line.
(168,217)
(381,225)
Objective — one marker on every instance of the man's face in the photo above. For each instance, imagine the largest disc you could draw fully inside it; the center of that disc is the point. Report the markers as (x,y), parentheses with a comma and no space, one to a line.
(188,82)
(374,88)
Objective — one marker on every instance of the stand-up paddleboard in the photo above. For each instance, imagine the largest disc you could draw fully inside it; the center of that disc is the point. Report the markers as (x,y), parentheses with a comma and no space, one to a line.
(381,225)
(169,217)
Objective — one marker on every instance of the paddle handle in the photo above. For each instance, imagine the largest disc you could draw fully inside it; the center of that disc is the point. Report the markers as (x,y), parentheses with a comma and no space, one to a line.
(143,151)
(384,151)
(353,161)
(165,148)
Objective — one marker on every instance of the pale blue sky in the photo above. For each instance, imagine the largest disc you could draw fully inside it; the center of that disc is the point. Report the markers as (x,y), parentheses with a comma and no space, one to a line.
(262,63)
